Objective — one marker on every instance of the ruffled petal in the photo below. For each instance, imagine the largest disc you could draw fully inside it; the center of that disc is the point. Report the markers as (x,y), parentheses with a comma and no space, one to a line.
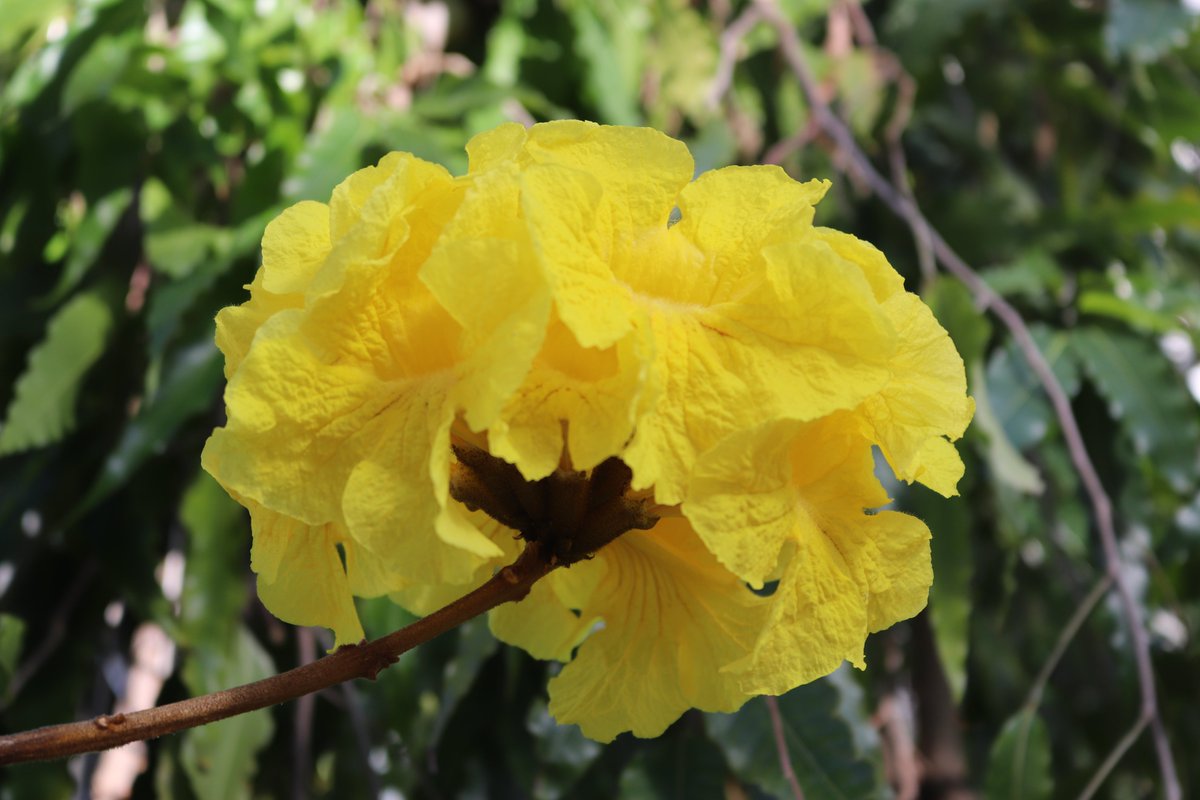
(237,325)
(817,620)
(925,399)
(884,279)
(564,209)
(294,246)
(396,499)
(733,213)
(847,577)
(541,624)
(296,425)
(640,171)
(804,518)
(588,193)
(495,148)
(673,619)
(590,395)
(483,273)
(741,500)
(366,304)
(807,340)
(377,202)
(894,562)
(300,574)
(428,595)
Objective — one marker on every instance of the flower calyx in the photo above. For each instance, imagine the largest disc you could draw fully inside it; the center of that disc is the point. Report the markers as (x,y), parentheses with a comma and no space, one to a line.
(570,513)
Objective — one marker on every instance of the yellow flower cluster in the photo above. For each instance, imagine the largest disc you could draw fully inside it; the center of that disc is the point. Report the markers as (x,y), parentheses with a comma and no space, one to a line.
(577,297)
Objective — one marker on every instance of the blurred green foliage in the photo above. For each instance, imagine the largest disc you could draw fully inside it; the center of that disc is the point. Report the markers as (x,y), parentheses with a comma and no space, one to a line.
(144,144)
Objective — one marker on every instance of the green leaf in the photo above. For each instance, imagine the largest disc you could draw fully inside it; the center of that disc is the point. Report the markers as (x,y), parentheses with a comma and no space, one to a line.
(188,388)
(921,28)
(1131,311)
(685,55)
(1019,765)
(1147,396)
(559,744)
(713,146)
(220,758)
(1149,212)
(1006,462)
(820,743)
(179,250)
(953,568)
(12,636)
(331,153)
(613,49)
(682,764)
(1016,394)
(1035,275)
(22,15)
(94,77)
(42,410)
(88,239)
(1146,30)
(475,646)
(214,589)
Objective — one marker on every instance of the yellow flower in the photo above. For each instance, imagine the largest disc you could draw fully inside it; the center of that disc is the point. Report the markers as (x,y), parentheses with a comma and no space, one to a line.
(574,304)
(728,328)
(345,376)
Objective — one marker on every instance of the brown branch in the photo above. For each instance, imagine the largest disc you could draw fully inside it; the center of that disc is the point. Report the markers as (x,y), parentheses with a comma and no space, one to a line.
(355,661)
(302,728)
(1065,637)
(54,635)
(1119,749)
(785,761)
(1102,511)
(730,44)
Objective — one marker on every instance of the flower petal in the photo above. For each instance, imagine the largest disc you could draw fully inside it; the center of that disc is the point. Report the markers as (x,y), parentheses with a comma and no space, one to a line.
(483,273)
(587,194)
(295,421)
(237,325)
(807,340)
(640,171)
(741,500)
(497,147)
(818,618)
(381,198)
(843,572)
(396,500)
(924,400)
(884,279)
(590,394)
(300,574)
(294,246)
(733,213)
(428,595)
(564,209)
(673,618)
(366,303)
(541,624)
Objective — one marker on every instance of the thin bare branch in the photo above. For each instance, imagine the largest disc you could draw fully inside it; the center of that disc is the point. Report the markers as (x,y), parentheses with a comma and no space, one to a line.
(1065,637)
(355,661)
(785,761)
(54,635)
(731,41)
(1102,512)
(302,729)
(1114,757)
